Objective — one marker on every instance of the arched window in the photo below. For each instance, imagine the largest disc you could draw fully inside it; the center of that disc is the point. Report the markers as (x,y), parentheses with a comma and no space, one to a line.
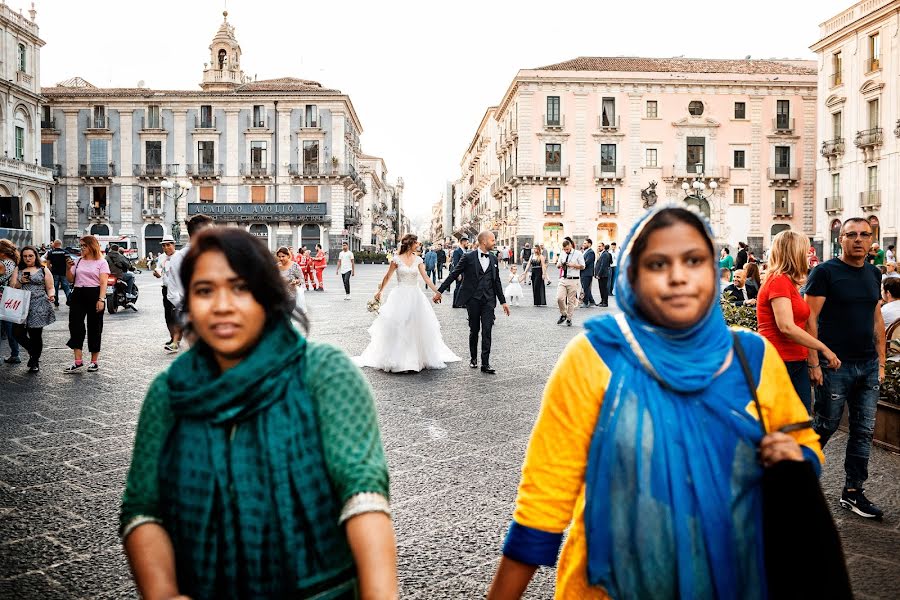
(778,228)
(21,58)
(261,231)
(153,235)
(700,204)
(100,229)
(29,216)
(20,123)
(309,236)
(222,59)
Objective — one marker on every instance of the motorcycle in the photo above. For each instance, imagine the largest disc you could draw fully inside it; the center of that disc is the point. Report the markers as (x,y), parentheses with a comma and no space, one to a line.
(115,294)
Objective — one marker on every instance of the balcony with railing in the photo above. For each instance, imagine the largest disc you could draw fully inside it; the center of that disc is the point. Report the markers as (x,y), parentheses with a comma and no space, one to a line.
(56,170)
(690,172)
(782,209)
(608,173)
(12,166)
(49,125)
(831,148)
(783,124)
(208,123)
(259,122)
(204,171)
(155,124)
(873,64)
(834,204)
(98,212)
(607,123)
(554,122)
(783,174)
(870,199)
(553,171)
(153,171)
(553,208)
(255,170)
(97,123)
(608,207)
(869,138)
(97,171)
(351,216)
(310,123)
(837,79)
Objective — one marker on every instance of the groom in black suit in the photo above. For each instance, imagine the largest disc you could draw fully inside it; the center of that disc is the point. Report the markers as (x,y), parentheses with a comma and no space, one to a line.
(481,288)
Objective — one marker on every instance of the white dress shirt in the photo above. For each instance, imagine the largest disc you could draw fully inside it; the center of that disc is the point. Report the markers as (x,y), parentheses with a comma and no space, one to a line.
(484,260)
(573,257)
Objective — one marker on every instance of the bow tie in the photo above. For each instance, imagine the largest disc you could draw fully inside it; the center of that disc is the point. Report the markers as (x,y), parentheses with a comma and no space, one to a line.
(483,255)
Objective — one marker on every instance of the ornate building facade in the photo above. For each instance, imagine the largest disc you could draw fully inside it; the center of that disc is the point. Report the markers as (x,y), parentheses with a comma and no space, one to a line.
(25,186)
(859,121)
(580,148)
(280,157)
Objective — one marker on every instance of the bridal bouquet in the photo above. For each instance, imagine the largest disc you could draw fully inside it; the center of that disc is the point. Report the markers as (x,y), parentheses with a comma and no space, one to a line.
(373,305)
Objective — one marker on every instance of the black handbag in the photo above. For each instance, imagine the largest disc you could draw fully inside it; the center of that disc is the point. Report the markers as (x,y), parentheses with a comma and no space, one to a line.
(802,548)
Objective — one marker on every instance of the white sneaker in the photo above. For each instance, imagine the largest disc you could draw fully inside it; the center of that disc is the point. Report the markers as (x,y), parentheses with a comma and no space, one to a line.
(346,296)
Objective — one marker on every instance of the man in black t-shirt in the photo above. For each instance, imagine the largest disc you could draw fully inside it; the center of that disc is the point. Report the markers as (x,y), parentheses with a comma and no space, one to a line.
(56,256)
(843,296)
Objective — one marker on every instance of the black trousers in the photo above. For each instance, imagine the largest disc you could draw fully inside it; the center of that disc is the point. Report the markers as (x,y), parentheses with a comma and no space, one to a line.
(440,271)
(32,339)
(456,287)
(604,289)
(346,278)
(481,317)
(587,281)
(84,307)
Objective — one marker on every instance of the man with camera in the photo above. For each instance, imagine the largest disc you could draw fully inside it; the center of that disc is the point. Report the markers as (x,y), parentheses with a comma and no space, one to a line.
(570,263)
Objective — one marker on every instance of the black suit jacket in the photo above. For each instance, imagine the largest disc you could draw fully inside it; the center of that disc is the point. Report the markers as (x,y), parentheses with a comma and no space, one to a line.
(470,268)
(604,265)
(735,295)
(442,258)
(456,256)
(589,257)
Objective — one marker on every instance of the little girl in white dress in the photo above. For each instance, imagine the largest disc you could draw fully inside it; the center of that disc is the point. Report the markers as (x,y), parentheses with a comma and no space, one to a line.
(513,291)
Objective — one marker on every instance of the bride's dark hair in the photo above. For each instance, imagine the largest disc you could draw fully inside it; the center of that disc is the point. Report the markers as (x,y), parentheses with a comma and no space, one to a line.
(409,240)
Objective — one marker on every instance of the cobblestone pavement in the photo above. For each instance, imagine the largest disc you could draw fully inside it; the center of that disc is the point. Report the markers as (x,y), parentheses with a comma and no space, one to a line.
(454,439)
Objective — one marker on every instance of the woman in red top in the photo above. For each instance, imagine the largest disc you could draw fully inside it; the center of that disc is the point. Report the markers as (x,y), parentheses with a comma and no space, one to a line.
(782,314)
(320,261)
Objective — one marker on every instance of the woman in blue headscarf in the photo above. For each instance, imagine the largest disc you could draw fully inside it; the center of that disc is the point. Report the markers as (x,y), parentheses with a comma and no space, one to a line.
(646,444)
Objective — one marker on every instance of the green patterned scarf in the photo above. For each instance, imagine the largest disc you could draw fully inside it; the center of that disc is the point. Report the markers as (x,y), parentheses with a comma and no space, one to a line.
(247,498)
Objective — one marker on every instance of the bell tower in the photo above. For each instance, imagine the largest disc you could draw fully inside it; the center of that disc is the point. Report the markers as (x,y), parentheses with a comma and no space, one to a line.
(223,71)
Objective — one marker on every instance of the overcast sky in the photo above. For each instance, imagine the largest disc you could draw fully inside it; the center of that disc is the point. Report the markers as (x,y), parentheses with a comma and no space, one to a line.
(420,73)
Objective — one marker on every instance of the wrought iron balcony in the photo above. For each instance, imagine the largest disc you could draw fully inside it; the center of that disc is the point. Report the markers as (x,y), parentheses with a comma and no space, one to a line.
(154,171)
(869,137)
(351,216)
(204,123)
(204,171)
(609,172)
(157,123)
(554,122)
(834,204)
(784,173)
(782,209)
(608,124)
(553,209)
(313,170)
(49,124)
(259,122)
(97,171)
(832,147)
(870,199)
(98,212)
(608,208)
(97,122)
(257,170)
(783,124)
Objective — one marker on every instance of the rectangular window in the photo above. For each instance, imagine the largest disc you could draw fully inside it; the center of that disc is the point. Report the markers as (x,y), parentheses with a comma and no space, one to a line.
(837,69)
(651,160)
(553,111)
(21,57)
(154,157)
(312,115)
(739,159)
(153,199)
(608,200)
(836,185)
(206,193)
(152,117)
(696,154)
(553,157)
(872,179)
(310,193)
(837,125)
(874,117)
(98,199)
(206,116)
(258,194)
(47,154)
(552,203)
(782,160)
(99,117)
(740,110)
(258,155)
(607,158)
(738,196)
(310,157)
(782,203)
(783,114)
(20,143)
(206,156)
(874,52)
(259,116)
(608,112)
(652,109)
(45,116)
(99,157)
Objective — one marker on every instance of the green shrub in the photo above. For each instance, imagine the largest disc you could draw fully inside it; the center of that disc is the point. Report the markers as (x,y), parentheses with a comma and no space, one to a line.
(738,316)
(890,388)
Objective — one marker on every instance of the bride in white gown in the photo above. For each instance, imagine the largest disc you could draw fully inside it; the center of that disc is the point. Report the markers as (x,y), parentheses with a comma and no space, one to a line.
(406,335)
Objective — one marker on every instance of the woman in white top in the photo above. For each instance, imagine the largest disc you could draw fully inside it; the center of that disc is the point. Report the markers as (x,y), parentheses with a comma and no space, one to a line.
(406,335)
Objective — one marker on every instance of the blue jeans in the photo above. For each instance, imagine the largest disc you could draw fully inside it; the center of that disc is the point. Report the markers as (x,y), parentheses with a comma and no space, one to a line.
(612,280)
(856,384)
(798,370)
(10,338)
(60,281)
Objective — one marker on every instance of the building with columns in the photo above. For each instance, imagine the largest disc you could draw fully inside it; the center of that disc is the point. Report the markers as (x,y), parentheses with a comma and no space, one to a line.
(859,122)
(280,157)
(380,206)
(571,146)
(25,186)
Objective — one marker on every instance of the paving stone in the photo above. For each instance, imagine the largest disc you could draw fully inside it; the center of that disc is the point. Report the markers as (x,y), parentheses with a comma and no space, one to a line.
(32,585)
(39,458)
(54,440)
(33,554)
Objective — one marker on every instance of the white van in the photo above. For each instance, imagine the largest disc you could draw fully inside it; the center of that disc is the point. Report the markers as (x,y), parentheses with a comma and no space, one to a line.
(127,243)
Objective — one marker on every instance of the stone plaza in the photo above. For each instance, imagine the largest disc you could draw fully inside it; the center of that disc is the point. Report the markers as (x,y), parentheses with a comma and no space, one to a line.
(454,440)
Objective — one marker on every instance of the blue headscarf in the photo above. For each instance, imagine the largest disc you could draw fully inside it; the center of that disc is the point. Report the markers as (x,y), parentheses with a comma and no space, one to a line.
(671,503)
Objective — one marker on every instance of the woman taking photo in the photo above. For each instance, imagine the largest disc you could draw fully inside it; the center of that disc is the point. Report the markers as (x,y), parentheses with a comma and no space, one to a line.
(782,313)
(258,469)
(35,279)
(289,271)
(660,481)
(9,257)
(87,302)
(537,266)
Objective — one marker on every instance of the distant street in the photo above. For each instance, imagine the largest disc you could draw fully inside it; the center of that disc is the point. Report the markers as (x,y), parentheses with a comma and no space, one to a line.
(454,439)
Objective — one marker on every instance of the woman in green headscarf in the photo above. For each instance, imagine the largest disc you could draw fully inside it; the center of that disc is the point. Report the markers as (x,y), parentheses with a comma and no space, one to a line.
(258,470)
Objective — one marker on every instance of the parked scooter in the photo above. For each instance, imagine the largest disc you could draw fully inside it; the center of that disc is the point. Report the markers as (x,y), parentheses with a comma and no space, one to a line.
(115,295)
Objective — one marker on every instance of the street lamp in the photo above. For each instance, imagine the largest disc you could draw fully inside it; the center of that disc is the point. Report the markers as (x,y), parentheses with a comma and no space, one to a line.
(178,190)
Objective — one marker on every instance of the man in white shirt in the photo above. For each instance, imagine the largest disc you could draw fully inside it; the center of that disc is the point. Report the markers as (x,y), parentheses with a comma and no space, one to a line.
(614,251)
(176,292)
(570,263)
(346,268)
(163,271)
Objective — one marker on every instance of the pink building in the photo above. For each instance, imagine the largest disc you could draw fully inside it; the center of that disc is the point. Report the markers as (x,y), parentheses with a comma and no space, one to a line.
(573,145)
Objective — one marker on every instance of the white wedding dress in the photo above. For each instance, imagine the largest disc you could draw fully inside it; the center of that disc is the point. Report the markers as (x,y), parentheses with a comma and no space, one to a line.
(406,335)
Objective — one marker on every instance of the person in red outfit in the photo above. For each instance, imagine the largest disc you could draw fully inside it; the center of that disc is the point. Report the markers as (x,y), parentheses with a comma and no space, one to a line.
(320,261)
(782,313)
(304,259)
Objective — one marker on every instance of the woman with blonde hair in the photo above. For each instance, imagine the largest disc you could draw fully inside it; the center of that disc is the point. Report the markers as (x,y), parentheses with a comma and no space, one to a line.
(9,258)
(537,266)
(782,314)
(88,274)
